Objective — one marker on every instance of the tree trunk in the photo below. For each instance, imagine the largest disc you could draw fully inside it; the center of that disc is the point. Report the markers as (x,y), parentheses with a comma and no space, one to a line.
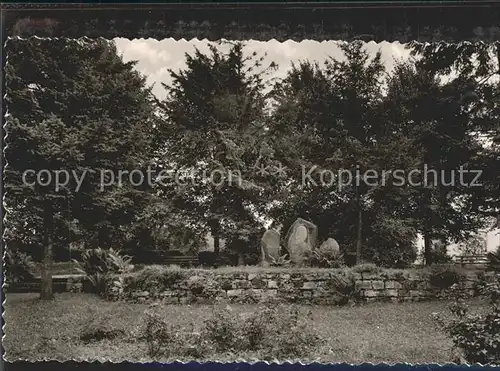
(427,248)
(241,258)
(215,231)
(46,267)
(359,230)
(216,245)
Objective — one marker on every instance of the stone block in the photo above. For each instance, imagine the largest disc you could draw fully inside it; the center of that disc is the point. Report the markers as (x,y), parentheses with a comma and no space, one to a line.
(378,285)
(254,292)
(391,284)
(259,283)
(168,293)
(234,293)
(423,285)
(284,276)
(371,293)
(319,293)
(252,276)
(242,284)
(370,276)
(272,284)
(309,285)
(185,300)
(310,276)
(357,276)
(325,300)
(471,275)
(170,300)
(470,284)
(416,293)
(364,285)
(307,294)
(270,294)
(391,292)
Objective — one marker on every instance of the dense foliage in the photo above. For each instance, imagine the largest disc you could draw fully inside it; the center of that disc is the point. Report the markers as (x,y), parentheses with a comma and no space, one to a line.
(476,335)
(76,105)
(274,332)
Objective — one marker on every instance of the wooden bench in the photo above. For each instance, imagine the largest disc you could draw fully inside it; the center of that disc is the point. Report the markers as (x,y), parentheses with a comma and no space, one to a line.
(471,260)
(59,284)
(182,261)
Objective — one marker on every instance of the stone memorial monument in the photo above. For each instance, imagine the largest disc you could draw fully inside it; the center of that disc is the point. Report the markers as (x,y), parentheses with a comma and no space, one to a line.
(330,245)
(270,247)
(300,239)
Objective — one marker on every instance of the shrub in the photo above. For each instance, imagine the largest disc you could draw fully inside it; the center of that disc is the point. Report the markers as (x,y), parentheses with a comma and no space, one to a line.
(445,277)
(222,330)
(159,334)
(103,261)
(157,278)
(343,287)
(325,258)
(164,338)
(281,261)
(494,260)
(203,287)
(278,331)
(18,266)
(98,263)
(100,330)
(207,258)
(281,331)
(440,256)
(475,335)
(367,268)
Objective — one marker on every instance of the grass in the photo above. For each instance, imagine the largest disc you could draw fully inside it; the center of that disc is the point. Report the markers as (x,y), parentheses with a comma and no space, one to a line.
(379,332)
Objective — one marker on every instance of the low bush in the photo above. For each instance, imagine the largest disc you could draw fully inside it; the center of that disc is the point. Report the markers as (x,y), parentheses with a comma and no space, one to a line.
(274,331)
(204,287)
(102,332)
(159,334)
(325,258)
(366,268)
(166,339)
(475,335)
(343,287)
(158,278)
(444,277)
(207,258)
(494,260)
(98,264)
(18,267)
(280,261)
(279,331)
(222,330)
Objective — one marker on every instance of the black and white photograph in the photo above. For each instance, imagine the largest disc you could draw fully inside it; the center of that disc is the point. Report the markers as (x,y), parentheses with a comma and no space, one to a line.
(244,200)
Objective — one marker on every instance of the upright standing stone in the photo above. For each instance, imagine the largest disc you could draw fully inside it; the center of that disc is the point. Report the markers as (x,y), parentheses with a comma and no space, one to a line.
(301,238)
(330,245)
(269,247)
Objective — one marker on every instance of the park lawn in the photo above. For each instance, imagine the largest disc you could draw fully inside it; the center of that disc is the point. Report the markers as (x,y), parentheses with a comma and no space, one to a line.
(378,332)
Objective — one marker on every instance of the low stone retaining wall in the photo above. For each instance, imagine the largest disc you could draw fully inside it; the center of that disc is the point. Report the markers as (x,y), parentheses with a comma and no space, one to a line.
(328,287)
